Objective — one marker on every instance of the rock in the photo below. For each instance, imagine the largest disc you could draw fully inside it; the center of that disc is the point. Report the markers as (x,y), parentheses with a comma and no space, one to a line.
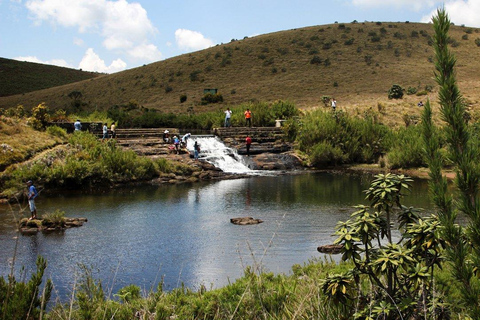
(28,231)
(245,221)
(330,248)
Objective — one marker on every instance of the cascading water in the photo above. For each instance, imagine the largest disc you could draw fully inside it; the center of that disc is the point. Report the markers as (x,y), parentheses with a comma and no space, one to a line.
(214,151)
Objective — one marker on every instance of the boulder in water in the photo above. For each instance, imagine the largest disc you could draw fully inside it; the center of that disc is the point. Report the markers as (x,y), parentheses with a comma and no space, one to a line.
(330,248)
(245,221)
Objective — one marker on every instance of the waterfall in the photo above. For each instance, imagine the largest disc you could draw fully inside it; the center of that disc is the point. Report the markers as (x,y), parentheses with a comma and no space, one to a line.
(214,151)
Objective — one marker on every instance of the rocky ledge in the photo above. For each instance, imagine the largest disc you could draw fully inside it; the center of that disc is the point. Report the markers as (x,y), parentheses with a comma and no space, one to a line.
(27,226)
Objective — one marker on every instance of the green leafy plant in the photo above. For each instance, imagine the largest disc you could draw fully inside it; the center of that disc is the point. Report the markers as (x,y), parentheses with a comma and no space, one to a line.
(391,278)
(395,92)
(25,300)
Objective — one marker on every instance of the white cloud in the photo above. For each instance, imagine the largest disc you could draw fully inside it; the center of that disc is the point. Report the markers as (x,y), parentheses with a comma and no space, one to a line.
(191,40)
(460,12)
(147,52)
(55,62)
(415,4)
(123,26)
(92,62)
(79,42)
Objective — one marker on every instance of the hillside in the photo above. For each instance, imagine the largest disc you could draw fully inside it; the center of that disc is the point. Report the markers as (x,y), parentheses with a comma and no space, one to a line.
(357,63)
(17,77)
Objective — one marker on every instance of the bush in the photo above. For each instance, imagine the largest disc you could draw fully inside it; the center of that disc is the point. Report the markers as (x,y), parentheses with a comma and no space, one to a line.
(395,92)
(22,300)
(57,131)
(316,60)
(211,98)
(411,90)
(183,98)
(324,154)
(40,117)
(407,151)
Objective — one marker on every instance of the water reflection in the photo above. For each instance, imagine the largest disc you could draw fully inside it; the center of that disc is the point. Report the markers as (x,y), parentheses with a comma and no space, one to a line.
(183,232)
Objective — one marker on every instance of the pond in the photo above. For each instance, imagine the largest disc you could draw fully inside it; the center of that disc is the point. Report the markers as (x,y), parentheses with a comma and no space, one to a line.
(181,234)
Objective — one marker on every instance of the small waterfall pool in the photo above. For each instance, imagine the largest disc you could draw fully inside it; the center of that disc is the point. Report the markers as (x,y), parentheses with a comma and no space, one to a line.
(214,151)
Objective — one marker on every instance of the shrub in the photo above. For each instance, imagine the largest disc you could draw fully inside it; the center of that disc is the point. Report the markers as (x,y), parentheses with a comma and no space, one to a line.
(57,131)
(211,98)
(407,152)
(395,92)
(183,98)
(349,42)
(194,75)
(40,117)
(477,42)
(25,300)
(316,60)
(411,90)
(324,154)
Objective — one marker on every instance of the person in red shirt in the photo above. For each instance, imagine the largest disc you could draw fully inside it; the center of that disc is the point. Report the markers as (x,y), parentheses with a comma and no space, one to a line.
(248,117)
(248,142)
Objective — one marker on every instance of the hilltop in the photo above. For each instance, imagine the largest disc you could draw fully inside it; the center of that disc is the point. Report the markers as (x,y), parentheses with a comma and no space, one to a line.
(18,77)
(357,63)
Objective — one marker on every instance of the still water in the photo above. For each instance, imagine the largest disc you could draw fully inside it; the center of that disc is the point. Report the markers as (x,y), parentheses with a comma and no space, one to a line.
(182,233)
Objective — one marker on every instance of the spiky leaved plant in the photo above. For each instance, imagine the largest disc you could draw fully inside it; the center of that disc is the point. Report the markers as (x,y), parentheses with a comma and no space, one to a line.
(463,242)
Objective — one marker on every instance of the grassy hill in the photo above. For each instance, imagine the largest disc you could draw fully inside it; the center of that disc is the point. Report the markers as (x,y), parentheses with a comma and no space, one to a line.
(18,77)
(357,63)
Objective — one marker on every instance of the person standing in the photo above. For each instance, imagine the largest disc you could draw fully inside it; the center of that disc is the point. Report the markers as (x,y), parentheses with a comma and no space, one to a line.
(112,129)
(105,131)
(176,143)
(166,136)
(248,142)
(334,104)
(32,194)
(77,125)
(248,118)
(196,150)
(228,115)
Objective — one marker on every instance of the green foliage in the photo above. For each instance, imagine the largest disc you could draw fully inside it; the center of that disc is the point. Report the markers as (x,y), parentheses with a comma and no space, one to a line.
(87,161)
(25,300)
(360,140)
(407,151)
(463,251)
(54,219)
(57,132)
(211,98)
(411,90)
(395,92)
(40,117)
(324,154)
(399,273)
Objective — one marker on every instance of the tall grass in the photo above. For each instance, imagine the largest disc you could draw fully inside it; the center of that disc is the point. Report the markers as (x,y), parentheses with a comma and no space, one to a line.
(264,115)
(336,138)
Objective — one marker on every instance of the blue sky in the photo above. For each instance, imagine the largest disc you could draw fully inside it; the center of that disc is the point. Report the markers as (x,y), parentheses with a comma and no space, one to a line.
(114,35)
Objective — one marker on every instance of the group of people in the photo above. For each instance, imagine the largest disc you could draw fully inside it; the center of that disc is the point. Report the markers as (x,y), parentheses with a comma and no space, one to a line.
(77,125)
(105,131)
(177,142)
(228,116)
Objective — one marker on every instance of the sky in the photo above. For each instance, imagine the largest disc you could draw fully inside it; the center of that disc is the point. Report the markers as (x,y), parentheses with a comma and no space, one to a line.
(113,35)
